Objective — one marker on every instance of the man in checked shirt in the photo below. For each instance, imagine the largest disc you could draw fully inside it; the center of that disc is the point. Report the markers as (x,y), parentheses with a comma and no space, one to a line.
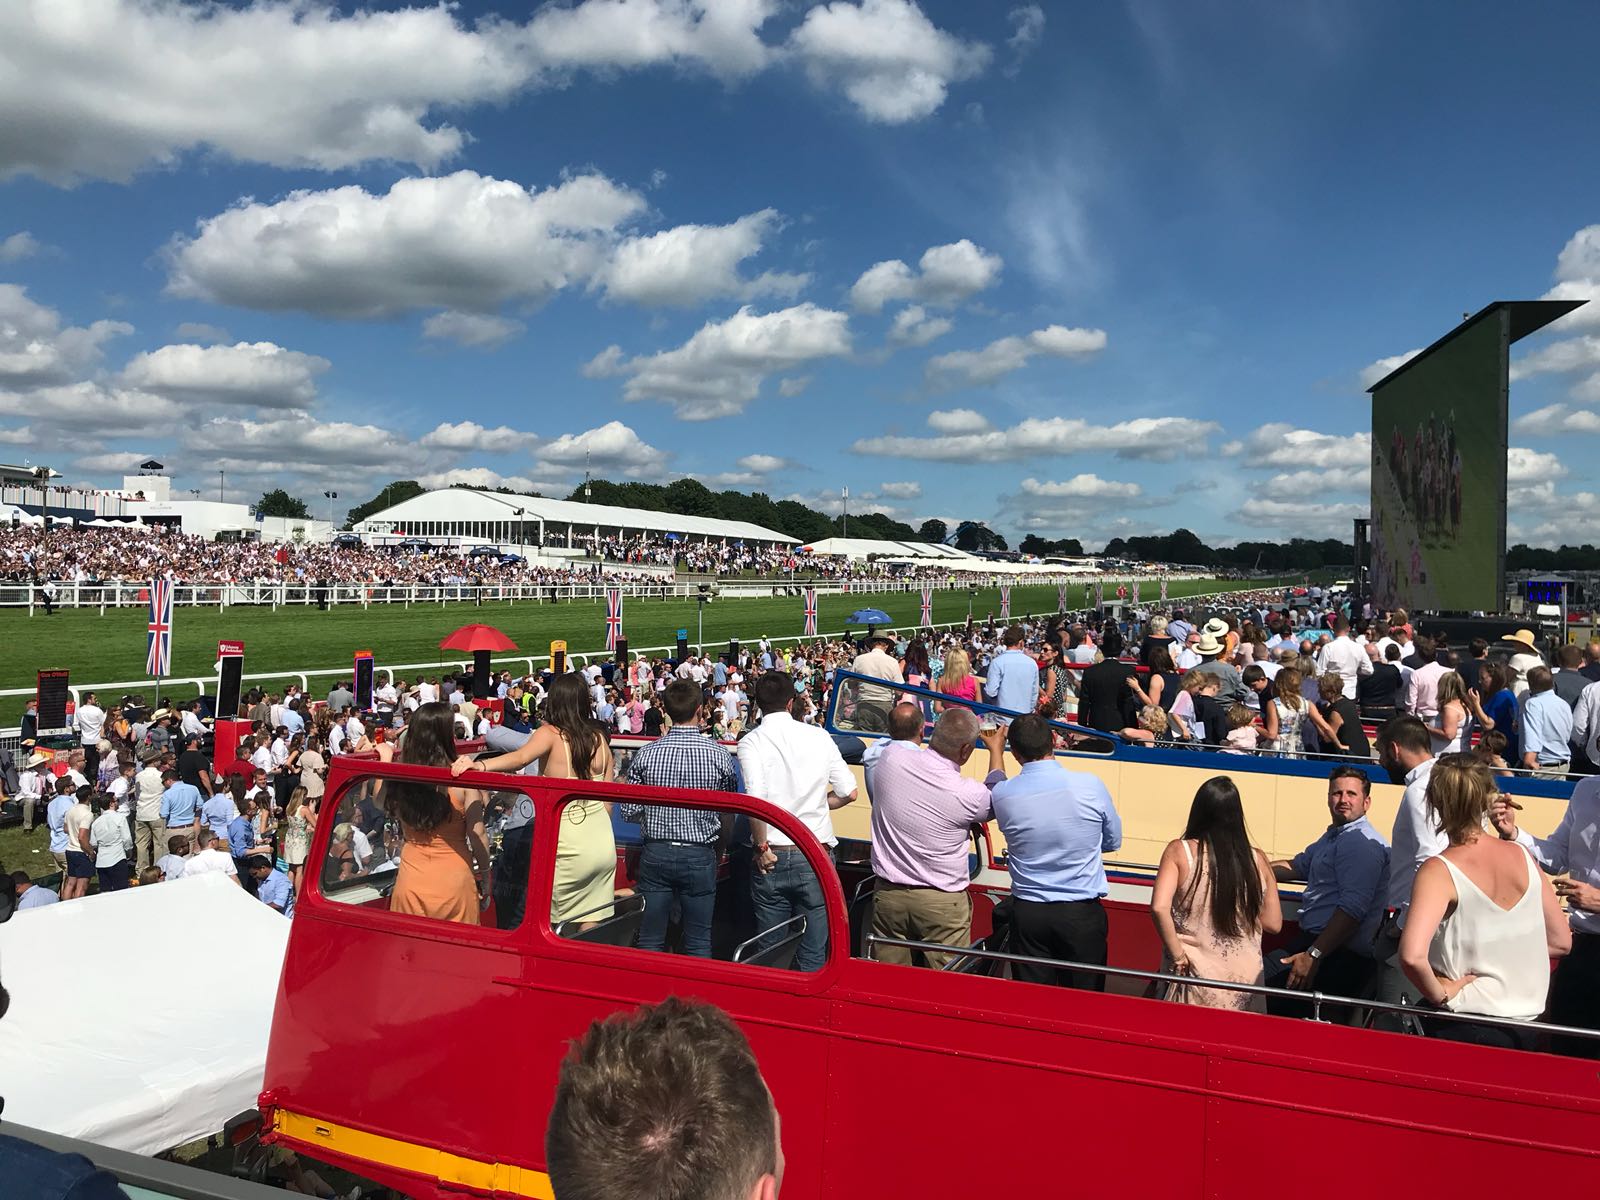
(681,845)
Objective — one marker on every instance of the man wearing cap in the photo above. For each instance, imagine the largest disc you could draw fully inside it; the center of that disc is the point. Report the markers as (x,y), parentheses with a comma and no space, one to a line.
(158,737)
(1525,659)
(1343,657)
(875,700)
(1012,682)
(34,784)
(1210,648)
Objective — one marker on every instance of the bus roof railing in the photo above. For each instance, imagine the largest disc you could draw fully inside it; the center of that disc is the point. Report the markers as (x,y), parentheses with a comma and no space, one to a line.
(1315,999)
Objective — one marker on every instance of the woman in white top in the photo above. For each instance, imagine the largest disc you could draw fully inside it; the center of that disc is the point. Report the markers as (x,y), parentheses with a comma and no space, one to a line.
(1484,922)
(1290,707)
(1450,734)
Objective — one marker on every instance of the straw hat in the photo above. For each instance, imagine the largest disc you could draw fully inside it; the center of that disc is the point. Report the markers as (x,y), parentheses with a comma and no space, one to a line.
(1208,646)
(1525,636)
(38,760)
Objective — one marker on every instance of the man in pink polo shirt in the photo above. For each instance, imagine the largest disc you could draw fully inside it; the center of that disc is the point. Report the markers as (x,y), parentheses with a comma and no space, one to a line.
(922,811)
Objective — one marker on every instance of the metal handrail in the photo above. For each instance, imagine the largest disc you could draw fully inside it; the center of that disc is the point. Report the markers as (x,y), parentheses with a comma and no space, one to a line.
(615,905)
(1316,999)
(739,950)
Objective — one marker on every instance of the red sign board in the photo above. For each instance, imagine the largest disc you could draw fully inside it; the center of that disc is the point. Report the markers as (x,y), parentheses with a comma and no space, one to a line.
(230,649)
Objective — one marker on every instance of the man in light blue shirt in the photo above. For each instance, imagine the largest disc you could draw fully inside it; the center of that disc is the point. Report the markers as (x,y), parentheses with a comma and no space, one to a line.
(272,886)
(218,812)
(1546,726)
(1058,824)
(55,816)
(1013,679)
(30,894)
(180,806)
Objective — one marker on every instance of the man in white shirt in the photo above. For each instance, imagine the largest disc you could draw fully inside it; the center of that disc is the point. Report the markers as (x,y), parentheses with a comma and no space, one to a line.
(1342,656)
(734,707)
(337,735)
(427,691)
(797,768)
(212,857)
(1405,748)
(192,725)
(91,721)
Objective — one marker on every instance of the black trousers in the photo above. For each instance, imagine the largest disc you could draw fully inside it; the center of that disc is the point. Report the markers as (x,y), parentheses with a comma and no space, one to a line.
(1575,996)
(1342,973)
(1074,930)
(91,763)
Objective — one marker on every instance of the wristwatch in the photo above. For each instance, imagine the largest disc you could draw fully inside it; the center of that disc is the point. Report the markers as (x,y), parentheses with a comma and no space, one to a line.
(1315,954)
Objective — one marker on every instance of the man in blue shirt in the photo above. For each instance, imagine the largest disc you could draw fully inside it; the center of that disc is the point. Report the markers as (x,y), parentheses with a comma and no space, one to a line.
(1345,872)
(56,818)
(272,886)
(1013,679)
(1546,727)
(1058,824)
(218,812)
(31,894)
(180,806)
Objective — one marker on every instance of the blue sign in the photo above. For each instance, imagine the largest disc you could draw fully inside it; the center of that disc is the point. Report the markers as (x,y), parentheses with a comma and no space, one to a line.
(683,634)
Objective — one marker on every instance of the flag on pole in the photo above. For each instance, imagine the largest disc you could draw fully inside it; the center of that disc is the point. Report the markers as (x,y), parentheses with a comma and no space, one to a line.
(1005,602)
(1163,589)
(1136,591)
(811,612)
(1061,597)
(613,617)
(927,607)
(1099,592)
(158,654)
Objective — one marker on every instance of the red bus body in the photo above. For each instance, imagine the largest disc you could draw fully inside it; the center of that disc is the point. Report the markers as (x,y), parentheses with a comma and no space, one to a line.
(424,1055)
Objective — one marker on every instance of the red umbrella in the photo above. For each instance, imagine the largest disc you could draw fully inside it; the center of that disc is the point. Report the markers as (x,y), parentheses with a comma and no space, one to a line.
(473,638)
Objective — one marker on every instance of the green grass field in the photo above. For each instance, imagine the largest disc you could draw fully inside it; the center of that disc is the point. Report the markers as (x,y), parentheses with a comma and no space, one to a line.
(111,648)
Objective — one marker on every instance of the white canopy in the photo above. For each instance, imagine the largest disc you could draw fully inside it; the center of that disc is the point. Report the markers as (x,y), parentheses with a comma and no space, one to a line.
(139,1019)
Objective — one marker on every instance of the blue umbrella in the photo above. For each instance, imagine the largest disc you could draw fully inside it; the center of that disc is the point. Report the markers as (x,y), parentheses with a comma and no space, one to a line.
(868,616)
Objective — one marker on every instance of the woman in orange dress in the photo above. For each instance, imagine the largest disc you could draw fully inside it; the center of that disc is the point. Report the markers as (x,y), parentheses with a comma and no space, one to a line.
(444,862)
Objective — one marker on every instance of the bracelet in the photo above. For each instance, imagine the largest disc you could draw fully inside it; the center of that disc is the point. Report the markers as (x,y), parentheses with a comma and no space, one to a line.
(762,847)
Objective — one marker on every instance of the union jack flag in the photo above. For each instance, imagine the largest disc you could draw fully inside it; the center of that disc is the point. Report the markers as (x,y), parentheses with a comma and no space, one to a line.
(1136,591)
(1061,597)
(1100,593)
(1005,602)
(811,612)
(1163,589)
(613,617)
(158,655)
(927,607)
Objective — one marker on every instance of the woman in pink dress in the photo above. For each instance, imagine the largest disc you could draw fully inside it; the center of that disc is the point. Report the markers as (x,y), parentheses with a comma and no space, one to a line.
(1214,897)
(958,679)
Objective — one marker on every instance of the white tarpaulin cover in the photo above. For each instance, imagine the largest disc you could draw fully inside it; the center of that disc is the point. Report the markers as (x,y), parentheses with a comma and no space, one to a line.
(139,1019)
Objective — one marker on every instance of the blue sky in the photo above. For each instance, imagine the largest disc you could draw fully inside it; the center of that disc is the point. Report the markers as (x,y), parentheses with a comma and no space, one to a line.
(1078,270)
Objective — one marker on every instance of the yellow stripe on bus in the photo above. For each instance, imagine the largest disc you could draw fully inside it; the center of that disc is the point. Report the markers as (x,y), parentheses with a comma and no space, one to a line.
(499,1178)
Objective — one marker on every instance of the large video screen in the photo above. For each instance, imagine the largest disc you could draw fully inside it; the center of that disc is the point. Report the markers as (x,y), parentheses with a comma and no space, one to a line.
(1439,475)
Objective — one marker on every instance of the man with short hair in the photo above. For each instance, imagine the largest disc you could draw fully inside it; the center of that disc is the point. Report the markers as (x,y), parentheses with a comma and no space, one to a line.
(272,886)
(31,894)
(682,846)
(1058,825)
(192,726)
(180,806)
(172,863)
(341,697)
(1342,656)
(667,1100)
(906,724)
(923,811)
(1012,682)
(1546,727)
(212,858)
(194,768)
(1405,750)
(80,853)
(798,768)
(1422,689)
(1569,681)
(55,817)
(1344,873)
(1105,701)
(90,720)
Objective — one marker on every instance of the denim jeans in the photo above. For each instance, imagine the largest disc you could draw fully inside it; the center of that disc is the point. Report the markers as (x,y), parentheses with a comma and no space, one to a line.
(669,871)
(791,889)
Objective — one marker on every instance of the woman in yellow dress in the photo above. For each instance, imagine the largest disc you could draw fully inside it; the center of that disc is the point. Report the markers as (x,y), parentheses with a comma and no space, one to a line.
(444,861)
(571,744)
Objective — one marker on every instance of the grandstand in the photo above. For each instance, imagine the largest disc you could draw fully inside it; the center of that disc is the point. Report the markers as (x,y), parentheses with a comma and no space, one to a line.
(919,554)
(458,514)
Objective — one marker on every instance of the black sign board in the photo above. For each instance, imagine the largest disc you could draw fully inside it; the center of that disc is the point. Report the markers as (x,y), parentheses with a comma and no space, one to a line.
(52,696)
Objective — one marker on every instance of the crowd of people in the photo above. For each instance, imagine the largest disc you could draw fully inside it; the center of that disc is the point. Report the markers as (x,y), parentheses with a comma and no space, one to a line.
(1385,915)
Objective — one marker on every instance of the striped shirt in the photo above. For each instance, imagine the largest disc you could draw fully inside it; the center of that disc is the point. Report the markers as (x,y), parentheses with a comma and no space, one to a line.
(683,757)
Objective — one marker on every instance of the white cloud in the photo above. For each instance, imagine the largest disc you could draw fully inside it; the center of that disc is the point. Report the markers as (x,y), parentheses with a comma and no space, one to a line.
(1155,438)
(1027,29)
(1308,484)
(22,435)
(763,464)
(1082,487)
(37,350)
(1281,445)
(612,446)
(298,441)
(971,368)
(892,63)
(90,405)
(476,477)
(1555,419)
(1577,277)
(1299,518)
(470,436)
(908,490)
(792,386)
(114,463)
(694,263)
(18,247)
(914,327)
(1588,392)
(721,37)
(1572,354)
(1372,372)
(1532,466)
(259,374)
(461,241)
(721,368)
(945,275)
(958,420)
(200,333)
(480,331)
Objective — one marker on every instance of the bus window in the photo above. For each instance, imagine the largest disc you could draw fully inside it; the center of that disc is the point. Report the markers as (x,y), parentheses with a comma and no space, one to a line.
(672,878)
(444,836)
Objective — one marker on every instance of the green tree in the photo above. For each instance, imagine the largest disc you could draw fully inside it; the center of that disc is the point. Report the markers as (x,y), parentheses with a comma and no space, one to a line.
(933,530)
(976,536)
(278,503)
(394,493)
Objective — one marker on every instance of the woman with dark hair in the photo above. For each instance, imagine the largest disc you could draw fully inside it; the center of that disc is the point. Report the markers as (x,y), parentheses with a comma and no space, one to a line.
(571,744)
(444,862)
(1161,688)
(1494,706)
(1214,897)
